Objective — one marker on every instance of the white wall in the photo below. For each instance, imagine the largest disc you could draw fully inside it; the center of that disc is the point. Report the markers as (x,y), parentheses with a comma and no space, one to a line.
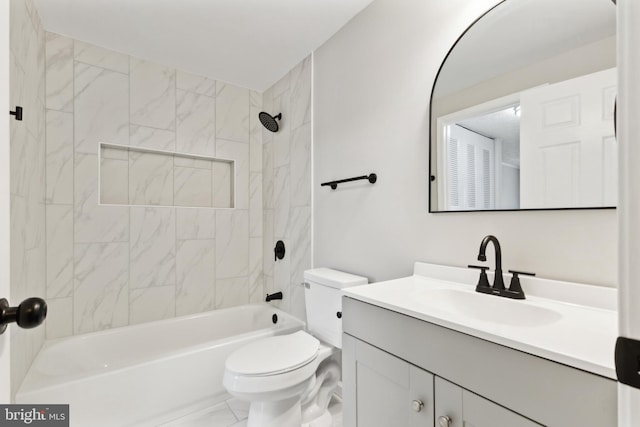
(371,96)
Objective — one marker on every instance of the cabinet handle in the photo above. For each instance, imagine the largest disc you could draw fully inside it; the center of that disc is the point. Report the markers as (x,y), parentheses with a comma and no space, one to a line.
(444,421)
(417,405)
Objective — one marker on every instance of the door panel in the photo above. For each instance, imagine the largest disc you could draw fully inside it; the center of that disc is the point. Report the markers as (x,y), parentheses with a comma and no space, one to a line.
(388,390)
(5,366)
(479,412)
(466,409)
(628,225)
(567,146)
(448,402)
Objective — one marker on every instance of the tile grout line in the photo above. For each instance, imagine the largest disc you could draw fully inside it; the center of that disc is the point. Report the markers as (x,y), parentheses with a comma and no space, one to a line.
(129,190)
(173,194)
(226,402)
(73,193)
(46,204)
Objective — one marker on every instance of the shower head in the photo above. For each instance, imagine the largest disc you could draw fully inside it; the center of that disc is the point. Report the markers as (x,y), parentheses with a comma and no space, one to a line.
(270,122)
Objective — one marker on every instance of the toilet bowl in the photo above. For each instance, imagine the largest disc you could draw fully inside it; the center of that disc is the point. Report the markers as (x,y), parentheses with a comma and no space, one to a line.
(288,380)
(283,374)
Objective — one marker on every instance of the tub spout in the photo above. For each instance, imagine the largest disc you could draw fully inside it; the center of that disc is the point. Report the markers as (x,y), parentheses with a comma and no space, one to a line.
(271,297)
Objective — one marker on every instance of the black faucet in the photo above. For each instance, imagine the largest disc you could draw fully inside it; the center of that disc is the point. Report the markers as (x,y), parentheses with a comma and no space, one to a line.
(498,282)
(515,290)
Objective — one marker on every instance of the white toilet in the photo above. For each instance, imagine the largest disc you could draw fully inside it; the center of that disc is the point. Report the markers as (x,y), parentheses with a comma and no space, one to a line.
(289,379)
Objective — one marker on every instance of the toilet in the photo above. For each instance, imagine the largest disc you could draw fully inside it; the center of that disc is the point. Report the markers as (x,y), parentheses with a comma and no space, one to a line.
(288,380)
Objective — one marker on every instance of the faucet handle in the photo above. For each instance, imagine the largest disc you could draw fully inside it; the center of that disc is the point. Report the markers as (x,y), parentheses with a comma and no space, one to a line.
(515,272)
(515,290)
(483,282)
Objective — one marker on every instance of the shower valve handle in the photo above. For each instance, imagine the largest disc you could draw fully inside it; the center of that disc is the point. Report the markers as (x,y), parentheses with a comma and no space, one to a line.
(279,250)
(29,314)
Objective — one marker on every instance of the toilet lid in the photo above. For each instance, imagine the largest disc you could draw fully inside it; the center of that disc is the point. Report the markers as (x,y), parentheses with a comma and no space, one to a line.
(274,355)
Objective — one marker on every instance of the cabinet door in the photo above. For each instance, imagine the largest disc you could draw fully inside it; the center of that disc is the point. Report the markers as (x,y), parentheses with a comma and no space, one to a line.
(457,407)
(381,390)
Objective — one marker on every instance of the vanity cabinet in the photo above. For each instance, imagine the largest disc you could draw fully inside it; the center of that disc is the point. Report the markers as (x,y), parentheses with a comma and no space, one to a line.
(393,392)
(392,360)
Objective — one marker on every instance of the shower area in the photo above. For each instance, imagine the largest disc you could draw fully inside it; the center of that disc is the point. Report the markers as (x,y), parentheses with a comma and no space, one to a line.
(141,193)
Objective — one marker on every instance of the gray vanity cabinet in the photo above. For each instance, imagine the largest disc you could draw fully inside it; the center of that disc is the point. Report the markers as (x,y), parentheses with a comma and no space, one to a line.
(390,391)
(393,362)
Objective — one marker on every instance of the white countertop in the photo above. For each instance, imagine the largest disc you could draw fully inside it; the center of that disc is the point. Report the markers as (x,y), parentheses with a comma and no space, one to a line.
(572,324)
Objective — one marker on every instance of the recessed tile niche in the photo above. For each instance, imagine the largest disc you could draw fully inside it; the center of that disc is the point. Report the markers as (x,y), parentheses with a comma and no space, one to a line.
(136,176)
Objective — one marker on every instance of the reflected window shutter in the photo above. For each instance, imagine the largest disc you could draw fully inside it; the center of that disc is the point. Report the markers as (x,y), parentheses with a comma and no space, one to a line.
(453,171)
(471,177)
(486,179)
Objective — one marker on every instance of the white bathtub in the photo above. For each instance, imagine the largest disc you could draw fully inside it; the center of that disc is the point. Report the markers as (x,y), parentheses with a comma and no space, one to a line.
(143,375)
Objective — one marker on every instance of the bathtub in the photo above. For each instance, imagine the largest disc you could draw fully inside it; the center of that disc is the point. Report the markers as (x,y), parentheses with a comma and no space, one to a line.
(145,375)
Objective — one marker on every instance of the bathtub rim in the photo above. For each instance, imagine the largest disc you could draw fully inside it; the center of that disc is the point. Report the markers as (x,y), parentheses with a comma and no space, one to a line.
(168,320)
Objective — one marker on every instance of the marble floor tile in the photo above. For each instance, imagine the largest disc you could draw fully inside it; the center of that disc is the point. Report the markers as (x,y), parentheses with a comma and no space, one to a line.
(335,407)
(219,415)
(239,407)
(234,413)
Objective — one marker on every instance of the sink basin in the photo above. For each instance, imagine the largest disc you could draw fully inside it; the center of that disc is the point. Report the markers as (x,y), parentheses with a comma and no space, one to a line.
(488,308)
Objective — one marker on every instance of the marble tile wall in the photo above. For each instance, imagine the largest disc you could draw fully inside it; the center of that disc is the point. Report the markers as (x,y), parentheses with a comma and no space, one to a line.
(110,266)
(286,177)
(27,148)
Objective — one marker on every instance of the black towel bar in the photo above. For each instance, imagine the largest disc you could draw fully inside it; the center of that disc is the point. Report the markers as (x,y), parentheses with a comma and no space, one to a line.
(334,184)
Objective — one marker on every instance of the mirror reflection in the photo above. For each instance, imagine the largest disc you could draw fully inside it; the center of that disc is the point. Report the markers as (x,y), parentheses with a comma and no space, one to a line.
(522,110)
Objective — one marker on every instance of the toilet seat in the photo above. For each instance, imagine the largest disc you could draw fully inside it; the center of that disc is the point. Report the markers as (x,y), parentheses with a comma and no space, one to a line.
(273,355)
(292,376)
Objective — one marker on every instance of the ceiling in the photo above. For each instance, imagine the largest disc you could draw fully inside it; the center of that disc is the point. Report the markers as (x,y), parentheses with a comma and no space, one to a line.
(250,43)
(503,125)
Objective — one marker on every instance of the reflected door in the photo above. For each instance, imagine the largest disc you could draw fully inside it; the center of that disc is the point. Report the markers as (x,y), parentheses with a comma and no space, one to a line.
(567,144)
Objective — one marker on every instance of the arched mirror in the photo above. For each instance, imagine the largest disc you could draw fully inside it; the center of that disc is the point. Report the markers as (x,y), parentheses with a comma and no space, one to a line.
(522,110)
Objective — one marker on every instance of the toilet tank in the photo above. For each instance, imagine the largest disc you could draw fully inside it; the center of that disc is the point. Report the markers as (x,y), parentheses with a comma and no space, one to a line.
(323,301)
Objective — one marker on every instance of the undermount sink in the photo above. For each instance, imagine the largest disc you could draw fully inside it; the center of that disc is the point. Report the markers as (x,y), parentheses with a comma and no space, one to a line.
(485,307)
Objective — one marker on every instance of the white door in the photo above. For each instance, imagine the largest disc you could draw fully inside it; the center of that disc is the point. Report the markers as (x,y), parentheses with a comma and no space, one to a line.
(568,152)
(5,366)
(629,207)
(470,170)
